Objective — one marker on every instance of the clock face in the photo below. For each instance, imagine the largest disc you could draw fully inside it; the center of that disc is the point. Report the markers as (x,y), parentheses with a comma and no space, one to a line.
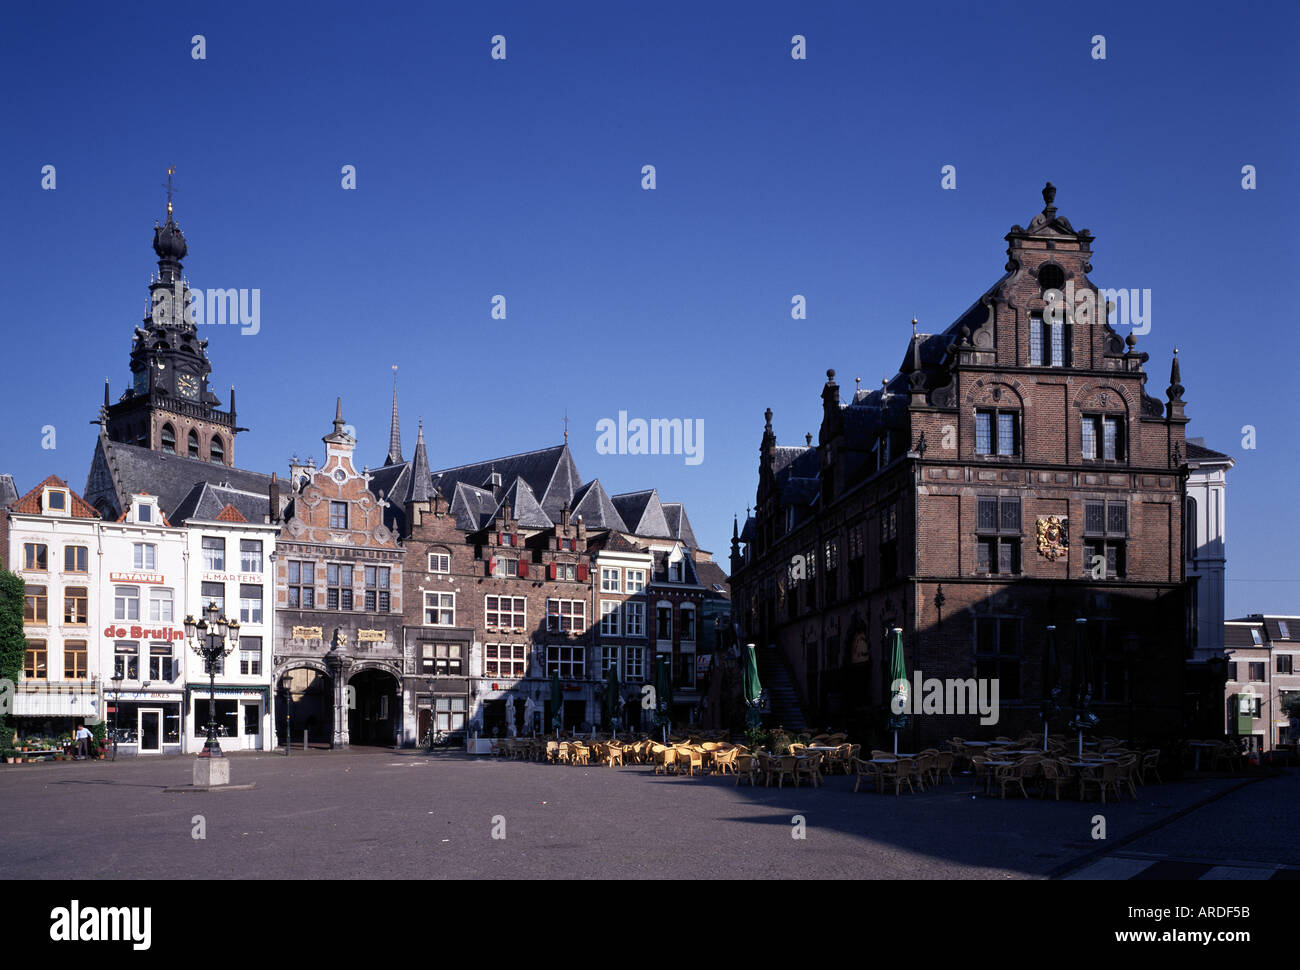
(188,386)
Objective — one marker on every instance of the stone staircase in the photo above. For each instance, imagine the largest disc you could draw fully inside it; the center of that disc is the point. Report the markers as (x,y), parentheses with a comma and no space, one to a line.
(775,677)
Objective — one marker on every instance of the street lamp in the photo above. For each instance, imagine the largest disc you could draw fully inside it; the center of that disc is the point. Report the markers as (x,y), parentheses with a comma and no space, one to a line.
(213,638)
(117,702)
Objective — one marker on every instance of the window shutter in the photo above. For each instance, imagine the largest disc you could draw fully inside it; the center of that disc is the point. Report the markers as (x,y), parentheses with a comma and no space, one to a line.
(550,570)
(491,566)
(582,572)
(523,567)
(498,538)
(988,515)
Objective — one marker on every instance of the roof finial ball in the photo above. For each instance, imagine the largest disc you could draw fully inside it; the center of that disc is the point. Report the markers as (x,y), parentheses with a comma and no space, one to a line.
(1049,194)
(1131,340)
(830,374)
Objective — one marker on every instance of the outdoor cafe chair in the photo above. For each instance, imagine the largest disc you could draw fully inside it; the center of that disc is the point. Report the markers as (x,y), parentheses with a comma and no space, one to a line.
(689,759)
(809,766)
(782,767)
(943,765)
(1100,777)
(979,773)
(579,754)
(725,761)
(665,759)
(1125,770)
(1052,776)
(1009,775)
(1150,764)
(865,769)
(900,773)
(613,755)
(745,766)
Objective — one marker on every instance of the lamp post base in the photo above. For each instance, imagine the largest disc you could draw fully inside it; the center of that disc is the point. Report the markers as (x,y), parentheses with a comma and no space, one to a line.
(210,772)
(211,749)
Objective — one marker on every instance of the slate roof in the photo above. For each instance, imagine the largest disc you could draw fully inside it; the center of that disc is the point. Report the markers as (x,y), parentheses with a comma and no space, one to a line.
(593,503)
(30,504)
(690,576)
(208,503)
(551,473)
(8,491)
(132,469)
(524,506)
(472,507)
(711,574)
(1198,452)
(679,526)
(1236,633)
(643,513)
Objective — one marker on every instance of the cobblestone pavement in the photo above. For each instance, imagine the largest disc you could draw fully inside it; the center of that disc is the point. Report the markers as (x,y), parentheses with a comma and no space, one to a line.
(375,813)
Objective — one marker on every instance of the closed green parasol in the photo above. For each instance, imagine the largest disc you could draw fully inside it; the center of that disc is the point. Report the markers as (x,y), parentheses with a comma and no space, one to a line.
(751,686)
(898,700)
(557,704)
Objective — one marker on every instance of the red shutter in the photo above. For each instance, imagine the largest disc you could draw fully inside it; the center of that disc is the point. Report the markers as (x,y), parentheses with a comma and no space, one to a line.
(498,538)
(550,570)
(523,567)
(582,572)
(491,565)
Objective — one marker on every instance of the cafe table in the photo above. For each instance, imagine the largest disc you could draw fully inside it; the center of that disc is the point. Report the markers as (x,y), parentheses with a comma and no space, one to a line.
(1198,745)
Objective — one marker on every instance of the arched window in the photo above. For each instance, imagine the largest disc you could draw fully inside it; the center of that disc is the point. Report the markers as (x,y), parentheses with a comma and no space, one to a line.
(1192,544)
(168,439)
(217,452)
(193,444)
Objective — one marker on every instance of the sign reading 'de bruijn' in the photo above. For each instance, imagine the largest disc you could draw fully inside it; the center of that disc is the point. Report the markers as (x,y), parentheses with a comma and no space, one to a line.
(144,633)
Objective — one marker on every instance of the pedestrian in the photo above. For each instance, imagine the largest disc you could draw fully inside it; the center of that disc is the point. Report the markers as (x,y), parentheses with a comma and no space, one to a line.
(83,742)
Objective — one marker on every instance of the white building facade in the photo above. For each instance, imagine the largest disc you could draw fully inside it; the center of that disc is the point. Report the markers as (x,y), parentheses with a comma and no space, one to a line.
(1205,546)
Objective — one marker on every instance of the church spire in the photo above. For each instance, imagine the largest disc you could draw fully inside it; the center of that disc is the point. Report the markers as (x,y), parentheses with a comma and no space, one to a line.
(421,482)
(394,430)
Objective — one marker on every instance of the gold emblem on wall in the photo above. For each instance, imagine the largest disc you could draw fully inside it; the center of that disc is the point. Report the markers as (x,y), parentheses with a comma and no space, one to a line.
(1053,537)
(306,633)
(370,636)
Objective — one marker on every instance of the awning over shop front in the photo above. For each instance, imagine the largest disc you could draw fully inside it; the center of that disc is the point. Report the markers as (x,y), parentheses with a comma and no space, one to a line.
(53,703)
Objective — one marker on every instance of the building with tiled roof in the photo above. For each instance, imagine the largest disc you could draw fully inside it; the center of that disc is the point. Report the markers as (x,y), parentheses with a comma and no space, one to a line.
(1263,680)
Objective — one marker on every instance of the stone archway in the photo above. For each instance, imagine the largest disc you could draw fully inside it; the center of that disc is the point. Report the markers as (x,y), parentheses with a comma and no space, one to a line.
(375,707)
(310,705)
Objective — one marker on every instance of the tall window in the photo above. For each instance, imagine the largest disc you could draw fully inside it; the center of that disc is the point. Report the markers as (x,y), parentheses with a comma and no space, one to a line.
(566,616)
(250,655)
(997,654)
(634,617)
(570,662)
(217,450)
(608,661)
(997,525)
(161,608)
(609,580)
(126,602)
(888,546)
(144,555)
(34,661)
(1103,437)
(1048,343)
(161,666)
(677,571)
(449,713)
(634,580)
(338,515)
(192,444)
(1190,523)
(35,557)
(74,559)
(214,593)
(688,623)
(504,659)
(663,623)
(1105,539)
(214,553)
(338,586)
(302,589)
(439,609)
(74,659)
(378,593)
(75,605)
(250,603)
(634,664)
(126,660)
(996,432)
(609,618)
(250,555)
(505,612)
(168,439)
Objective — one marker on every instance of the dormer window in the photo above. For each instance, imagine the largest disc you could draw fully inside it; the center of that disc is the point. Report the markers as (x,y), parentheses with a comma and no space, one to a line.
(144,513)
(1048,342)
(56,500)
(676,570)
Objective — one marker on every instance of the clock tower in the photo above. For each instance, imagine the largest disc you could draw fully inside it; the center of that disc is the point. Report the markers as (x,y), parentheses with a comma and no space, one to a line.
(169,407)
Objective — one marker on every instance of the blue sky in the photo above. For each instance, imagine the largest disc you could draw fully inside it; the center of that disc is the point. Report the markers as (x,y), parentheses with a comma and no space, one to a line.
(522,177)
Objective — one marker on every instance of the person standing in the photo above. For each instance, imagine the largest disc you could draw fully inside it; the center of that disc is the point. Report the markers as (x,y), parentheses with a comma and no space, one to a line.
(83,739)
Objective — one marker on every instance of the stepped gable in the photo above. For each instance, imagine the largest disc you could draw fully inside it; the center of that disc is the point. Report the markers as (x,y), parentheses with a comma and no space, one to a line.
(215,503)
(597,510)
(551,473)
(30,504)
(643,513)
(119,470)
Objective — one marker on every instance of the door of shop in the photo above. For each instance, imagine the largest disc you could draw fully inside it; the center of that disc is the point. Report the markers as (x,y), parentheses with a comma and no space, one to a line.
(252,721)
(150,730)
